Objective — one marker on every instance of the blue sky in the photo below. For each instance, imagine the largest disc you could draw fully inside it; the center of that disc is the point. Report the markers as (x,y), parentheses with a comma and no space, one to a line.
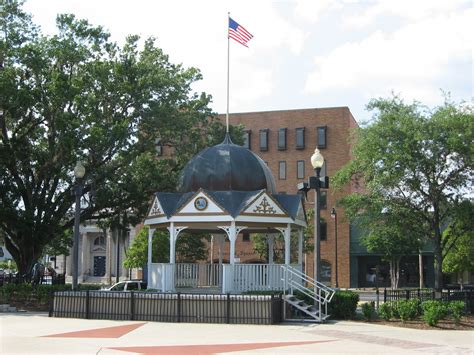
(304,54)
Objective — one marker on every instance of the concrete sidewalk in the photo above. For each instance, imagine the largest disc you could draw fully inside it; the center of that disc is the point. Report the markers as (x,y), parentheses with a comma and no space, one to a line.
(30,333)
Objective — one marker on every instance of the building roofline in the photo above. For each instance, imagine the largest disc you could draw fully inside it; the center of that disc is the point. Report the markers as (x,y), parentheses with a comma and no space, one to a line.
(289,110)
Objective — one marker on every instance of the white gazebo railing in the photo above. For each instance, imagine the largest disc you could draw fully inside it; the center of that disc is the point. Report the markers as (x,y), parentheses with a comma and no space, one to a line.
(198,275)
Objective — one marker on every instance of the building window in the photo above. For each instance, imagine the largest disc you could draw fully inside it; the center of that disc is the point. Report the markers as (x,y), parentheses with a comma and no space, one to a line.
(300,138)
(246,237)
(324,230)
(324,169)
(282,170)
(300,169)
(247,134)
(324,200)
(325,272)
(99,241)
(282,139)
(264,139)
(322,137)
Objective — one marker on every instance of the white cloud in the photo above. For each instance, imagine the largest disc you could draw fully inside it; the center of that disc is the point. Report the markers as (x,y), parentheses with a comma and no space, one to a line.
(409,9)
(313,10)
(408,61)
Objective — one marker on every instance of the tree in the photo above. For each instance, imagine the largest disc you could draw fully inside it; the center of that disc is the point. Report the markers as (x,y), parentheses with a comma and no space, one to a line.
(458,241)
(418,159)
(78,96)
(189,248)
(389,230)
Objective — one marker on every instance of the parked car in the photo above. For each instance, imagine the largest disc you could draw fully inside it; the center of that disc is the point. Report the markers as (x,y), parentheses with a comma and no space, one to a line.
(132,285)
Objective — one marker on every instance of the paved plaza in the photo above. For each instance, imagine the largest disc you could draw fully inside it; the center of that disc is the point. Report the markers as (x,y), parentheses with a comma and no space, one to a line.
(35,333)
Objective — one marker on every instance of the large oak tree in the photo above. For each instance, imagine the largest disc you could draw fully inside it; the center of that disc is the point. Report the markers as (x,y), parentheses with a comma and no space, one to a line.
(419,160)
(76,96)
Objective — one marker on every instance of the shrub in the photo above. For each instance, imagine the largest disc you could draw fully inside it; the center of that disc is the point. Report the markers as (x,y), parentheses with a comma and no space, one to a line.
(368,310)
(409,309)
(385,311)
(343,305)
(433,312)
(456,309)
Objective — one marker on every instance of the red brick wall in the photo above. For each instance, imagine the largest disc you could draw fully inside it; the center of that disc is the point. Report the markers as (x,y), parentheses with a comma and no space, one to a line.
(340,123)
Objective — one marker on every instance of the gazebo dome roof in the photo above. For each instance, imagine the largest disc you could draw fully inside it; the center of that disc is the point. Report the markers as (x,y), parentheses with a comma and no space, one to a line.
(226,167)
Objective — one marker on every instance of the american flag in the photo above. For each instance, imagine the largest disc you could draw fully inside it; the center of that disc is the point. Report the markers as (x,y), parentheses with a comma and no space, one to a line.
(238,33)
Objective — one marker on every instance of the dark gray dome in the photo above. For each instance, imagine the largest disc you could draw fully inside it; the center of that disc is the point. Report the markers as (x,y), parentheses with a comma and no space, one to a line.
(226,167)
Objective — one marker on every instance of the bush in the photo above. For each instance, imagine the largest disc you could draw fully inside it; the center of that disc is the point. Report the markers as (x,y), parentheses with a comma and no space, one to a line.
(368,310)
(456,309)
(385,311)
(409,309)
(343,305)
(434,311)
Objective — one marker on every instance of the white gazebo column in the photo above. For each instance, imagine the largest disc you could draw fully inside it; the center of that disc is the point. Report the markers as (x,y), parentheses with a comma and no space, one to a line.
(287,235)
(270,238)
(300,246)
(232,232)
(151,231)
(174,232)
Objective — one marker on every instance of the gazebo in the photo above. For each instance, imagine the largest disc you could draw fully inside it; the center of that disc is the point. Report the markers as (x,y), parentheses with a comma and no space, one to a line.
(223,190)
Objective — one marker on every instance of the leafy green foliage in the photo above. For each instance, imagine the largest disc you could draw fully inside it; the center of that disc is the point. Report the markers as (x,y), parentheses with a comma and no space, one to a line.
(434,311)
(368,310)
(458,240)
(343,305)
(189,248)
(409,309)
(419,162)
(456,309)
(76,96)
(385,311)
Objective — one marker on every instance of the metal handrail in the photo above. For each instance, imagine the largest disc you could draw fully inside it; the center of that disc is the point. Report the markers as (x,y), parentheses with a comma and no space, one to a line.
(309,291)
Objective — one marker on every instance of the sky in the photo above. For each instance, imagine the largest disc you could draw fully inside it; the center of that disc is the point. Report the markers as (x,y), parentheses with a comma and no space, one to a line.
(304,54)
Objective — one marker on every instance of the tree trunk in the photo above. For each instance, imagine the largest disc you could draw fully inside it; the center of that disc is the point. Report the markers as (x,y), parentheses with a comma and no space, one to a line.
(394,272)
(438,253)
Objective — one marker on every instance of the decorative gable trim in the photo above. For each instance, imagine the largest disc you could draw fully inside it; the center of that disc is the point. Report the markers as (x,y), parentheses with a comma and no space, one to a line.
(264,205)
(201,204)
(156,210)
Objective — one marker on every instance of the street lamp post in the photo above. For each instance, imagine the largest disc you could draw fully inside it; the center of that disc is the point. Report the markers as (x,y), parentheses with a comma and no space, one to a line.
(317,161)
(334,215)
(79,172)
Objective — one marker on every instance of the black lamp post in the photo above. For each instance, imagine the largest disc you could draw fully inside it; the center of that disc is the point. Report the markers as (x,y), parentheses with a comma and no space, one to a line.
(317,161)
(334,215)
(79,172)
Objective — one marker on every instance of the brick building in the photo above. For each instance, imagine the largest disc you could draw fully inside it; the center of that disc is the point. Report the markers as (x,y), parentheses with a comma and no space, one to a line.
(285,140)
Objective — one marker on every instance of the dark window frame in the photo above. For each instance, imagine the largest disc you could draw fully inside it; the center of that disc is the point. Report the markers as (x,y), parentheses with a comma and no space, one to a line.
(265,131)
(247,139)
(322,143)
(280,164)
(298,175)
(299,144)
(282,139)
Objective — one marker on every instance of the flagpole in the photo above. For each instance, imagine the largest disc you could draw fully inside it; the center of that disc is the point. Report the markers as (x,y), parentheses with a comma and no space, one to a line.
(228,70)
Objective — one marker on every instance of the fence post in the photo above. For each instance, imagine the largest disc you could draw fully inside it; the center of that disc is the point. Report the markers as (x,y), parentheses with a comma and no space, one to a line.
(465,302)
(51,304)
(227,316)
(433,295)
(407,294)
(384,295)
(132,305)
(87,305)
(377,292)
(179,306)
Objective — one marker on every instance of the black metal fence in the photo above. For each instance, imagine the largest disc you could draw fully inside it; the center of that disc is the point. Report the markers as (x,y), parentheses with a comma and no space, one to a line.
(167,307)
(466,295)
